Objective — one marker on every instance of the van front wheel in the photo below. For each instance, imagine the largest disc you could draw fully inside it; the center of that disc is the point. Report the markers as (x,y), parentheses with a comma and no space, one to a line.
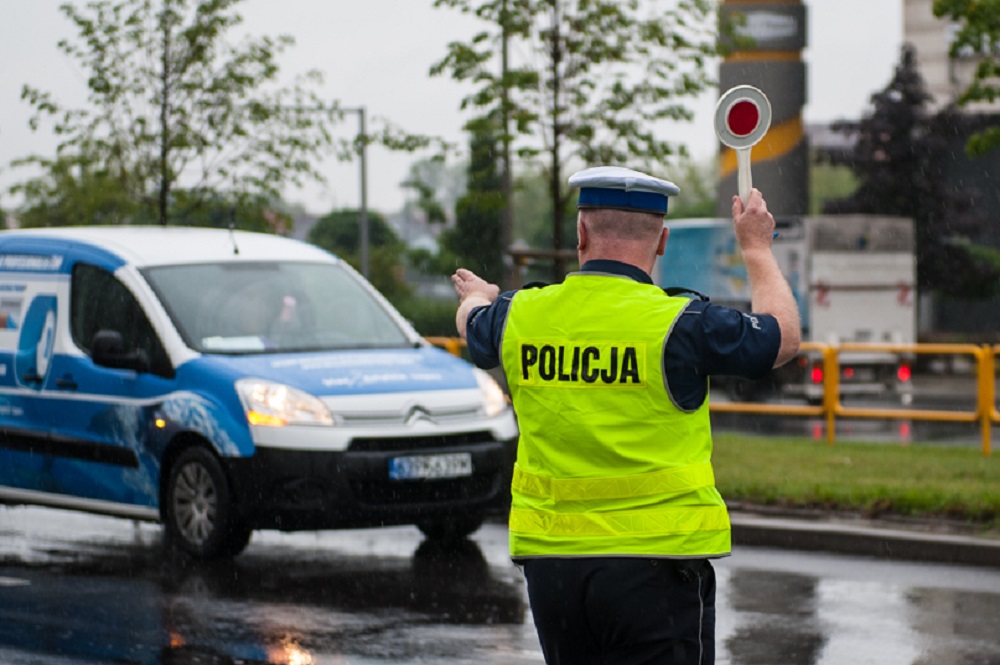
(200,516)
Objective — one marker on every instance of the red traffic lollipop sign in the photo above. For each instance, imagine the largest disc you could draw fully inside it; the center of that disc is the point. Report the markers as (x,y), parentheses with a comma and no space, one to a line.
(742,117)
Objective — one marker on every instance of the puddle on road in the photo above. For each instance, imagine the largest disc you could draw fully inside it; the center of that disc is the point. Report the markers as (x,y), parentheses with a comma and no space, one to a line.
(98,590)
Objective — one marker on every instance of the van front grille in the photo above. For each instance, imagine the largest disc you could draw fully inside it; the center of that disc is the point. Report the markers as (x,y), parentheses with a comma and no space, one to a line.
(404,443)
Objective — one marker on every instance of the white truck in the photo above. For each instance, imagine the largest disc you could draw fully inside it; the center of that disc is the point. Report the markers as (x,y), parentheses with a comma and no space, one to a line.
(853,276)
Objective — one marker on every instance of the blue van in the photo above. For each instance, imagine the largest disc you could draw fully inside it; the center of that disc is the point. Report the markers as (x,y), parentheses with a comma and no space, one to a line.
(223,381)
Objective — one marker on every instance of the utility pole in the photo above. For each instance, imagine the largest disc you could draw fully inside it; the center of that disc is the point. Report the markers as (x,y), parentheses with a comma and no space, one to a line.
(362,146)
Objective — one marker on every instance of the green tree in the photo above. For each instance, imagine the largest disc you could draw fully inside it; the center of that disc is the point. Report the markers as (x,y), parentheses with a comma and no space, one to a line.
(828,181)
(978,36)
(897,158)
(599,80)
(212,209)
(77,192)
(533,225)
(698,183)
(74,191)
(475,238)
(339,233)
(173,104)
(437,185)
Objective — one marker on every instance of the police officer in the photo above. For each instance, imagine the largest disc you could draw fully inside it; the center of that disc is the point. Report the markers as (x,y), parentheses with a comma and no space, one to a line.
(614,513)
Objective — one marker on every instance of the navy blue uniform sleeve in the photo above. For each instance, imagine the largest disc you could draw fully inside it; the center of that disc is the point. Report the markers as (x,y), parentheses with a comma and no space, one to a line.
(484,331)
(711,339)
(735,343)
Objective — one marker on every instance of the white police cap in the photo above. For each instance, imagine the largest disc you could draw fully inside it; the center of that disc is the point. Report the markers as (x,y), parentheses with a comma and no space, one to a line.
(617,187)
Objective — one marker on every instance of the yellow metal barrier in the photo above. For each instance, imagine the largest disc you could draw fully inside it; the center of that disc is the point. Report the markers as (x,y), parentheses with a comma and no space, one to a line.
(779,409)
(985,413)
(984,376)
(452,345)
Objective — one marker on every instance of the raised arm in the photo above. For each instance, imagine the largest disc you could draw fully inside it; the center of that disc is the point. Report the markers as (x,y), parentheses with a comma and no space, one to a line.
(769,290)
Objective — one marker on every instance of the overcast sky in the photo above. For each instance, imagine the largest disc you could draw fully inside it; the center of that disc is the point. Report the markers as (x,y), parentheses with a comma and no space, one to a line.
(376,54)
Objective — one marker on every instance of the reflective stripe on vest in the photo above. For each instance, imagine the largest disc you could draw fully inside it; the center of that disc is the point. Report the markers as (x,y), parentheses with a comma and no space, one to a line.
(627,523)
(678,480)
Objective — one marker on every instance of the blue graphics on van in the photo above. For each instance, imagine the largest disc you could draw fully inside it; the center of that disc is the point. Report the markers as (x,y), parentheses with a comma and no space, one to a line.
(34,347)
(356,372)
(111,438)
(322,374)
(30,263)
(11,300)
(106,445)
(34,255)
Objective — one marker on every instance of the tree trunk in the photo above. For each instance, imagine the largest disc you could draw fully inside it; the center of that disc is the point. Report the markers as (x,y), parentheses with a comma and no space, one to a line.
(555,179)
(163,201)
(509,274)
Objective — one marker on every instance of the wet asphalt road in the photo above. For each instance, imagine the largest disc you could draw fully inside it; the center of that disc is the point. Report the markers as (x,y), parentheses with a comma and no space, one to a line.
(78,589)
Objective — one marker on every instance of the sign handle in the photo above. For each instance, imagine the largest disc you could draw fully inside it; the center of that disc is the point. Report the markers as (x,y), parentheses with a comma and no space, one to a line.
(742,117)
(744,180)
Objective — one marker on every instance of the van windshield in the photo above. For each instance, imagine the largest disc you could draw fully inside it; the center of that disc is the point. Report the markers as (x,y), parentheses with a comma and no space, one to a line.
(273,307)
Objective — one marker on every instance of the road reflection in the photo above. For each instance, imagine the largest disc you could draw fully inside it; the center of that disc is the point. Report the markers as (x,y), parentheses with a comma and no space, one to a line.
(348,605)
(778,615)
(793,609)
(136,603)
(79,589)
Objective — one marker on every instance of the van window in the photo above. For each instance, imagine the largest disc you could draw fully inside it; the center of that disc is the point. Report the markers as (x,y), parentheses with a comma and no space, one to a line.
(279,306)
(100,302)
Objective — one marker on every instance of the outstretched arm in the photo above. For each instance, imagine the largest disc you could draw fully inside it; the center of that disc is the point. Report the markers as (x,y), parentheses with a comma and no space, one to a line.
(473,291)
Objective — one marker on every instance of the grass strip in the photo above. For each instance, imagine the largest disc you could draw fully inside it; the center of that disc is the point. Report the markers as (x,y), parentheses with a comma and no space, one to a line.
(929,481)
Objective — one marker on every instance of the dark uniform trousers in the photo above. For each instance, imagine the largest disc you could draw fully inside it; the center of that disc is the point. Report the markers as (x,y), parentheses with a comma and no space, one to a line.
(623,611)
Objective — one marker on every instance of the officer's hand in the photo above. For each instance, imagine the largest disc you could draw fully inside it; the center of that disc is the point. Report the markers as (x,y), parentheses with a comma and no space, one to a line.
(470,285)
(754,225)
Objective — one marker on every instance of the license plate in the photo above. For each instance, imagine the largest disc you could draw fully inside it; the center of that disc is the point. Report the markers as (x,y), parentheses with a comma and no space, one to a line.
(425,467)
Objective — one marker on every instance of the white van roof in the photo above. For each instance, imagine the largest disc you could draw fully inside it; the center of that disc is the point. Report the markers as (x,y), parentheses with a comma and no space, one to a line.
(169,245)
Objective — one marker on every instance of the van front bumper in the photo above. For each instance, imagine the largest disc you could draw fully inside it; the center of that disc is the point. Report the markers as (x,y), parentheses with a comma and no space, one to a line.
(294,490)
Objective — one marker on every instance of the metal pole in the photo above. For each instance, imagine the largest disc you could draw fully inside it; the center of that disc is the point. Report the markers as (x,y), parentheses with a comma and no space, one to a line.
(363,210)
(363,216)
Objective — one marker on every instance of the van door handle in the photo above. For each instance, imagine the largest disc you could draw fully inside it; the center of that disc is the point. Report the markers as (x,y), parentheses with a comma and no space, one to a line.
(67,383)
(31,377)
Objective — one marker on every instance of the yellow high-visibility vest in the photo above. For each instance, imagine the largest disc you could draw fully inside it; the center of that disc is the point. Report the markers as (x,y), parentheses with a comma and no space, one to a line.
(607,463)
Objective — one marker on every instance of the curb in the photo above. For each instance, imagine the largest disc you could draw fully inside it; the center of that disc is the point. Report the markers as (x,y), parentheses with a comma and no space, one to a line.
(849,537)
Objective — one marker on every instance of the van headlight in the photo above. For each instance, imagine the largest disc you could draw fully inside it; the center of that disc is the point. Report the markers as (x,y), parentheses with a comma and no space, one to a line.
(273,404)
(494,399)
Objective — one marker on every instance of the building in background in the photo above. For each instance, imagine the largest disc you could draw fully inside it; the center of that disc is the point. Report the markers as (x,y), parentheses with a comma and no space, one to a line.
(946,77)
(767,54)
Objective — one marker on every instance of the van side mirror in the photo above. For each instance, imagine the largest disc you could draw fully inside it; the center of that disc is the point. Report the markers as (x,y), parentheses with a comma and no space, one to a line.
(107,348)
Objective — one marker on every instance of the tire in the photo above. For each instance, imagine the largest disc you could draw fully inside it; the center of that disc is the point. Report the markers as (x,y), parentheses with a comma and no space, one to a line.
(450,528)
(200,517)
